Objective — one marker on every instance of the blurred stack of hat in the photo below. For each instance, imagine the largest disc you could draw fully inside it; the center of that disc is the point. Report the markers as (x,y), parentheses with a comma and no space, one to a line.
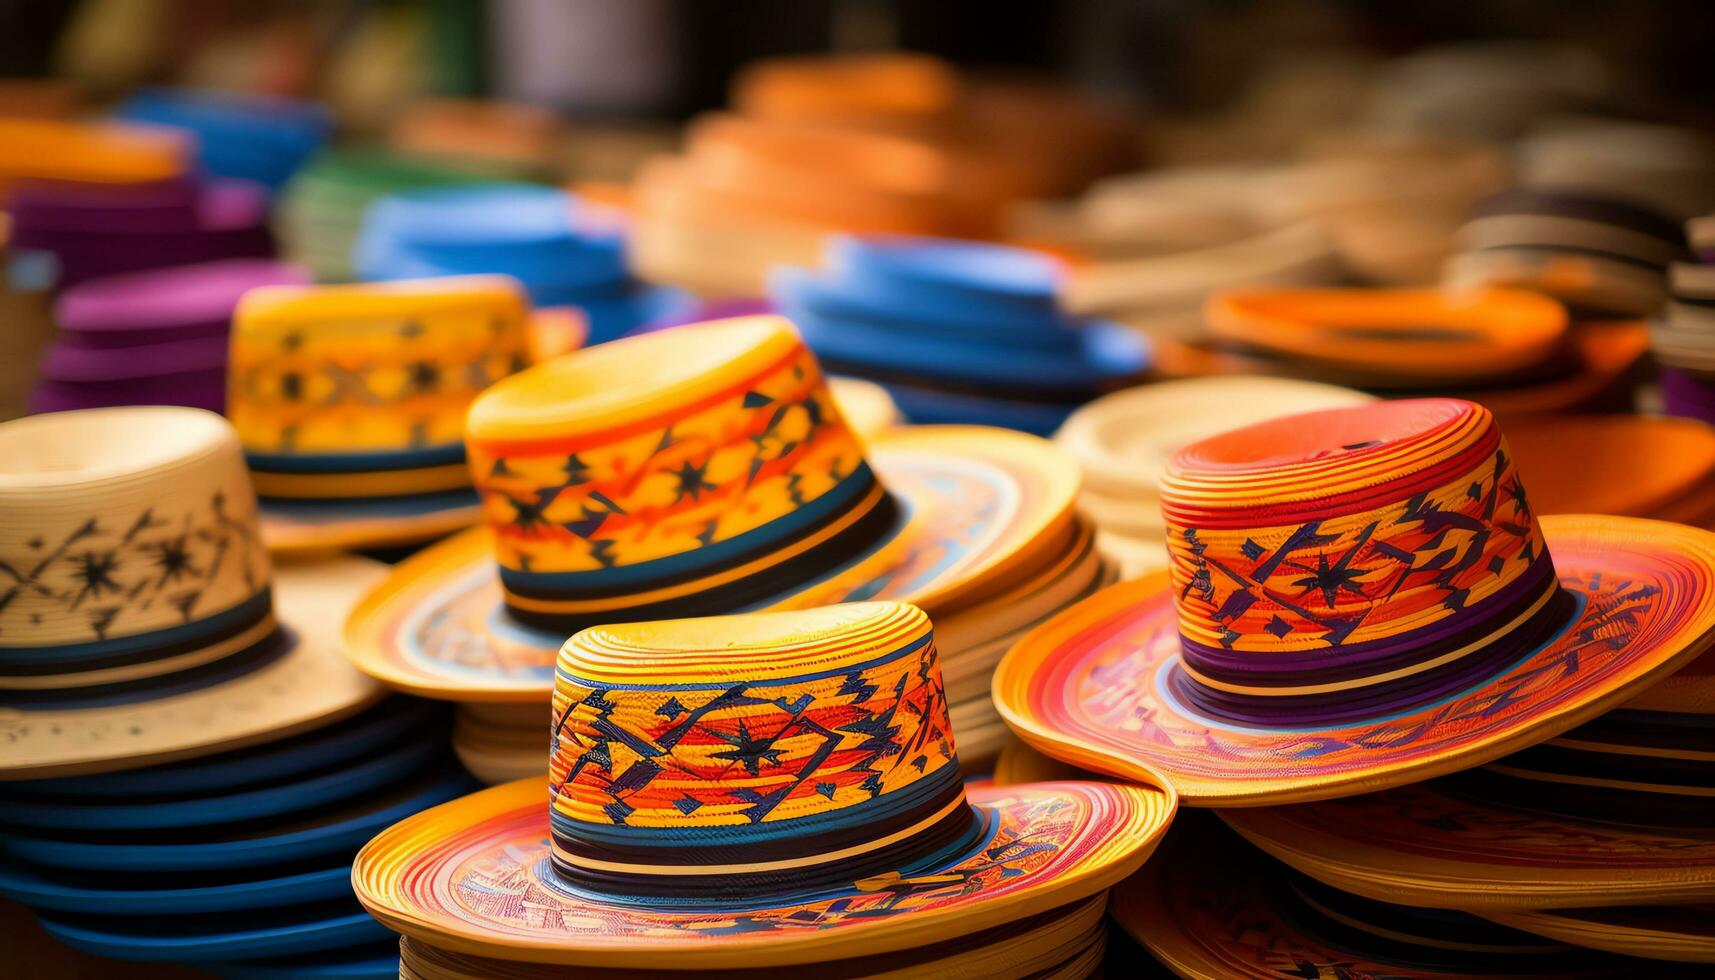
(1208,904)
(1511,349)
(96,230)
(1684,338)
(241,137)
(321,210)
(957,331)
(1488,91)
(505,140)
(706,469)
(1123,441)
(34,147)
(350,400)
(1595,218)
(1628,465)
(150,338)
(565,252)
(191,762)
(1155,246)
(896,144)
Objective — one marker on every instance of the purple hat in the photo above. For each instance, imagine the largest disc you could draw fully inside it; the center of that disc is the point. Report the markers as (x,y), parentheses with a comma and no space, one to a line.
(95,232)
(159,306)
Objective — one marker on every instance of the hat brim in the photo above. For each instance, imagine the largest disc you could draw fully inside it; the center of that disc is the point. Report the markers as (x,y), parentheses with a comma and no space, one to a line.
(1657,932)
(473,876)
(981,503)
(1429,847)
(309,685)
(1090,686)
(1207,906)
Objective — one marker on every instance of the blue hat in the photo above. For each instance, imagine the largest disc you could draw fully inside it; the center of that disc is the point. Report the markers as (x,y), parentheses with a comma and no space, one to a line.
(564,252)
(960,331)
(248,137)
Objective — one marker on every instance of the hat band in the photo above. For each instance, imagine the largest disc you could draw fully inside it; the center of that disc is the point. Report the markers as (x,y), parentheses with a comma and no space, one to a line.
(841,854)
(1547,615)
(346,476)
(723,577)
(1347,667)
(140,655)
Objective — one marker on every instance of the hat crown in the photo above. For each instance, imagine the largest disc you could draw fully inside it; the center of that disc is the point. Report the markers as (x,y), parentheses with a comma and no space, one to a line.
(803,744)
(684,471)
(380,368)
(1352,559)
(131,541)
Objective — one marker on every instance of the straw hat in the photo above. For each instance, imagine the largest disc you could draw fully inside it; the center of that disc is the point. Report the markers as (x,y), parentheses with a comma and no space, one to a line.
(1209,906)
(814,800)
(701,469)
(245,137)
(144,622)
(97,153)
(1357,598)
(1657,932)
(1613,812)
(1123,441)
(1396,338)
(350,402)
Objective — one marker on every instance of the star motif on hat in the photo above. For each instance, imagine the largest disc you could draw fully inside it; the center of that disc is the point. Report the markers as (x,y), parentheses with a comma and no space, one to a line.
(692,480)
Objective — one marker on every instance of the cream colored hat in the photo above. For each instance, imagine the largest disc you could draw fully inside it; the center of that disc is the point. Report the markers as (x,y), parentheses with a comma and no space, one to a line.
(1124,440)
(140,619)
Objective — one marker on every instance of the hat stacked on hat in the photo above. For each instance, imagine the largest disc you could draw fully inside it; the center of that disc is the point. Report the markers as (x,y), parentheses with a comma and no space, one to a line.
(190,760)
(958,332)
(1210,905)
(896,144)
(1123,441)
(150,338)
(707,469)
(243,137)
(321,209)
(754,791)
(564,252)
(1605,256)
(97,229)
(1514,350)
(1684,338)
(350,403)
(46,148)
(1361,599)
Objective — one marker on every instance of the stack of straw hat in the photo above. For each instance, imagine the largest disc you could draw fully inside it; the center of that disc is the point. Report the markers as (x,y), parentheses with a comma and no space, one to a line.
(250,138)
(1684,338)
(756,793)
(93,230)
(322,207)
(887,145)
(706,469)
(1123,441)
(150,338)
(958,332)
(37,147)
(566,253)
(191,762)
(1362,599)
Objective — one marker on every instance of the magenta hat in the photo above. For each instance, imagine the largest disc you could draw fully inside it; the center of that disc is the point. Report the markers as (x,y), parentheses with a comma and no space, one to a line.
(164,305)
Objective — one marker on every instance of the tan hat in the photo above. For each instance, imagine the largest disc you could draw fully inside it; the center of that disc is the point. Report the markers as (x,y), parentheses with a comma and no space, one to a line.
(141,620)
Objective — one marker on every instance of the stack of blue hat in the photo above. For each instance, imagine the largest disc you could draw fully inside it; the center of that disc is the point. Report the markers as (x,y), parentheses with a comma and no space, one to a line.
(246,137)
(238,864)
(565,253)
(957,331)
